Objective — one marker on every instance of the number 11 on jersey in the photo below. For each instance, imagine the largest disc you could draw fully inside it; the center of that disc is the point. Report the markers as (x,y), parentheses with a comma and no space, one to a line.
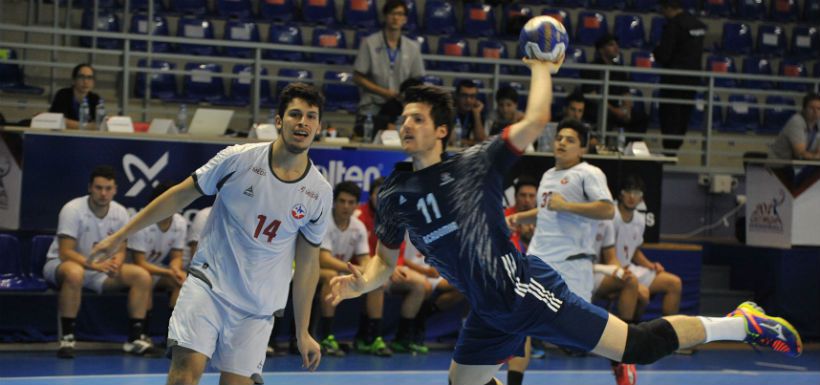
(429,200)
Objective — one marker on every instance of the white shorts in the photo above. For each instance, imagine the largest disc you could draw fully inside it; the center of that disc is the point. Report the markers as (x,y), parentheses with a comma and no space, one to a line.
(645,276)
(577,273)
(234,340)
(92,279)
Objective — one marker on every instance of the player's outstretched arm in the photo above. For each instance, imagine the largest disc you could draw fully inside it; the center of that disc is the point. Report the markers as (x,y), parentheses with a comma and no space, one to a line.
(375,274)
(537,115)
(164,206)
(305,278)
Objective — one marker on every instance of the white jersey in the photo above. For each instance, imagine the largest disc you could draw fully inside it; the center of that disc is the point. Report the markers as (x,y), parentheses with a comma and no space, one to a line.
(79,222)
(348,243)
(197,225)
(156,244)
(628,235)
(247,247)
(604,237)
(559,235)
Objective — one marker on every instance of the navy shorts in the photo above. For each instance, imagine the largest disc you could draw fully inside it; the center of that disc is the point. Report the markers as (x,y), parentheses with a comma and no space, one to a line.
(576,324)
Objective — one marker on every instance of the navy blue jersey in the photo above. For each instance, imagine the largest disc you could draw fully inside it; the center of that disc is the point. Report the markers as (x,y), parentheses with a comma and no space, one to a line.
(454,215)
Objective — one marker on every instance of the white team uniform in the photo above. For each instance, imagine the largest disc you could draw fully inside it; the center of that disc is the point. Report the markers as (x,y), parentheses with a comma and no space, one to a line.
(412,254)
(562,239)
(241,271)
(628,238)
(348,243)
(156,244)
(195,232)
(604,237)
(79,222)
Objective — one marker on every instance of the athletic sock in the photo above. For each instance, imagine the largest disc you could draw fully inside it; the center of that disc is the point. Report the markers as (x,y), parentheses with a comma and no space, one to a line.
(514,378)
(136,329)
(325,327)
(67,324)
(724,328)
(405,330)
(361,333)
(374,329)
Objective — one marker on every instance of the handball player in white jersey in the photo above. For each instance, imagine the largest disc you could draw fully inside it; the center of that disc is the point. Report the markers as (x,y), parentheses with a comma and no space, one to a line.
(271,204)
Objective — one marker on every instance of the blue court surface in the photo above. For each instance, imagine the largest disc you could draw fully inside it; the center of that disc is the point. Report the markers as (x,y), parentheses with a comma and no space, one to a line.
(705,367)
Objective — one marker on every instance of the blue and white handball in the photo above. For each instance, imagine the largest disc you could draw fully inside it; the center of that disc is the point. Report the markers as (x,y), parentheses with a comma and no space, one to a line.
(543,38)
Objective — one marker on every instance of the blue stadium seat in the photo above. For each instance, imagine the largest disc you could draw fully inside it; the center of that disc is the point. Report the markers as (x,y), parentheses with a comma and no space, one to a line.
(783,10)
(322,12)
(479,20)
(698,118)
(563,17)
(722,64)
(329,38)
(453,46)
(432,80)
(644,59)
(751,9)
(753,65)
(196,28)
(242,88)
(645,6)
(656,30)
(197,8)
(638,105)
(291,75)
(425,49)
(574,55)
(12,277)
(439,18)
(816,72)
(513,18)
(142,5)
(771,40)
(717,8)
(805,42)
(139,25)
(492,49)
(241,9)
(793,68)
(344,96)
(737,38)
(108,5)
(107,21)
(608,4)
(412,17)
(277,10)
(811,10)
(569,3)
(163,85)
(244,31)
(774,118)
(742,114)
(360,14)
(590,26)
(204,84)
(12,77)
(629,31)
(288,35)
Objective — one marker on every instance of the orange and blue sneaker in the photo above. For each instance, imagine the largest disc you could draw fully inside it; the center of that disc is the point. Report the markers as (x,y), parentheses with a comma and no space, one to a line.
(765,330)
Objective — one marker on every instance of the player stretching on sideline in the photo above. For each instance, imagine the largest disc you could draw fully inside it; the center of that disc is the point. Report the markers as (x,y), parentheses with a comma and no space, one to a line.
(451,208)
(271,204)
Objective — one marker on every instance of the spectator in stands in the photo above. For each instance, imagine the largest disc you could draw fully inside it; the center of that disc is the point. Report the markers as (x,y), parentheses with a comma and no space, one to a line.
(506,110)
(385,60)
(159,249)
(469,113)
(629,226)
(526,188)
(67,101)
(392,109)
(798,139)
(83,222)
(345,243)
(680,48)
(619,112)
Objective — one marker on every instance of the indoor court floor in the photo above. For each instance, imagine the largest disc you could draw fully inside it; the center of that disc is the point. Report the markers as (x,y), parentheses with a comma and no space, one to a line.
(741,366)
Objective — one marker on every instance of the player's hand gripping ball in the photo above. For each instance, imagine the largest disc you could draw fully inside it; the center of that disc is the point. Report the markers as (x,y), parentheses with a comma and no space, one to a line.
(544,38)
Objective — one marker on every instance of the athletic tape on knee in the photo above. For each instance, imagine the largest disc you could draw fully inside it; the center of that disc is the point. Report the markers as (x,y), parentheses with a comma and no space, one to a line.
(649,341)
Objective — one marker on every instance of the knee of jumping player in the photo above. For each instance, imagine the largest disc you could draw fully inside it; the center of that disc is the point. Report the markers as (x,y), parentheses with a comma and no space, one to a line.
(650,341)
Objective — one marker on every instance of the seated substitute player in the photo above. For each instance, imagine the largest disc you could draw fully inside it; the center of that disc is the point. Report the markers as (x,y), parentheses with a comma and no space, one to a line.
(451,207)
(271,208)
(159,250)
(616,282)
(629,226)
(83,222)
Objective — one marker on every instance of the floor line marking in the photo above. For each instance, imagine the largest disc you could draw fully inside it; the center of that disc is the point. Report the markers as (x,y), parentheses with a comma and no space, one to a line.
(781,366)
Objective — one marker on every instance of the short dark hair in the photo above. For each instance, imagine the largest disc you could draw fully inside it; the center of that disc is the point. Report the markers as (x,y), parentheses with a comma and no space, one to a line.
(409,82)
(465,83)
(576,96)
(298,90)
(810,97)
(347,187)
(78,67)
(442,109)
(506,92)
(632,182)
(390,5)
(577,126)
(604,40)
(103,171)
(161,188)
(525,180)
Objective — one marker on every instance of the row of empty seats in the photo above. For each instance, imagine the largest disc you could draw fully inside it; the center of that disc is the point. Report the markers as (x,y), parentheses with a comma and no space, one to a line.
(18,273)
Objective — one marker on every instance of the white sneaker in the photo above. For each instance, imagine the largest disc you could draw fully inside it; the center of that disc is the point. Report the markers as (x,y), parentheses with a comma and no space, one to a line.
(66,349)
(139,347)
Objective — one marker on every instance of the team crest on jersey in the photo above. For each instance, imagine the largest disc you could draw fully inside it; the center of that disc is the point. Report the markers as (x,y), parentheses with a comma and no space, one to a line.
(298,211)
(564,180)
